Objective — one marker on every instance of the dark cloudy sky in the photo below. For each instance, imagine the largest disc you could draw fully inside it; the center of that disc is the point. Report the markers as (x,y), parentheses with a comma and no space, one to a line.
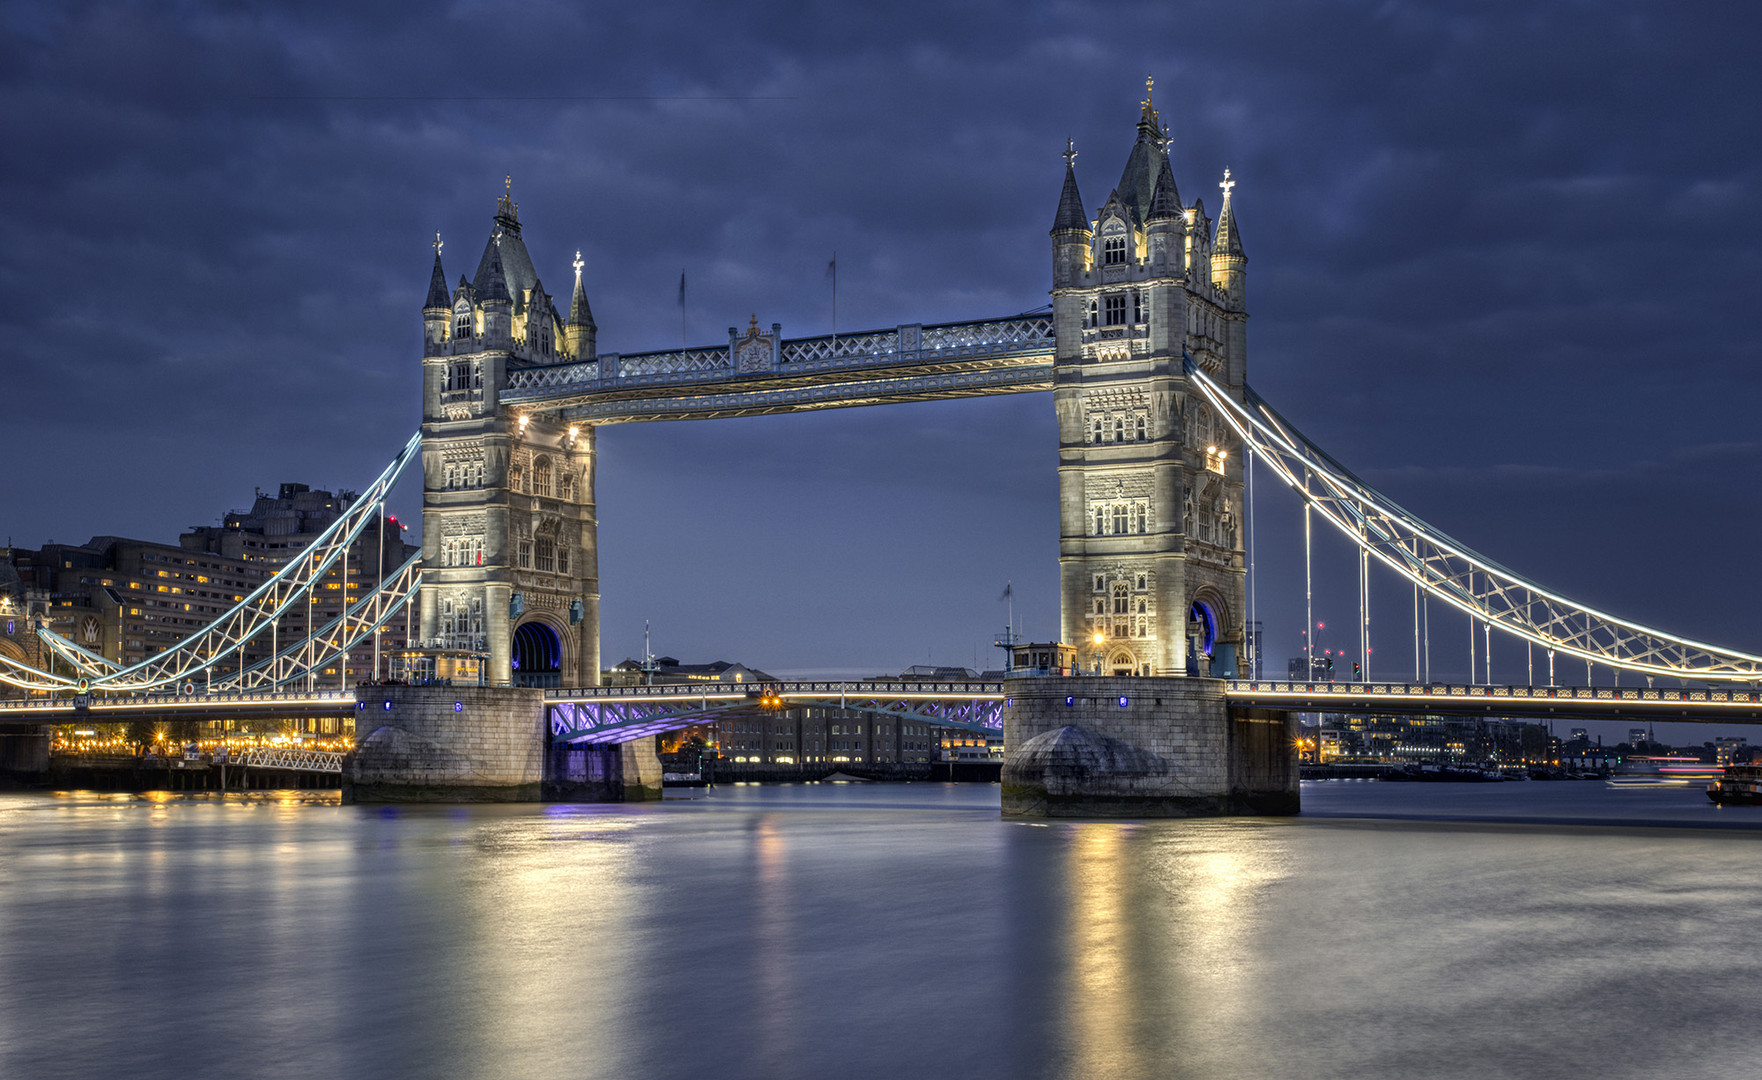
(1504,263)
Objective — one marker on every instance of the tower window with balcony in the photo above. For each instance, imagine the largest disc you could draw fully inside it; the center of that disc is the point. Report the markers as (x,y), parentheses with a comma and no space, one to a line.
(1113,251)
(1114,309)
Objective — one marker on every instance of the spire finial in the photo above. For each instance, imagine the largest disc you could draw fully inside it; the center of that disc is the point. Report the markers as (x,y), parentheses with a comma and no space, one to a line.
(508,181)
(437,245)
(578,264)
(1227,185)
(754,328)
(1070,154)
(1149,95)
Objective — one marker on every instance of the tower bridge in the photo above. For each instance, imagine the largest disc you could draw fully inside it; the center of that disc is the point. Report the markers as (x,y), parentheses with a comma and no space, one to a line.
(1143,350)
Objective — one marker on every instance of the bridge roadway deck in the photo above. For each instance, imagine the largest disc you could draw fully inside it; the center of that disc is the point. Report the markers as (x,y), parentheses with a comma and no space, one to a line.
(1723,705)
(973,704)
(908,363)
(100,708)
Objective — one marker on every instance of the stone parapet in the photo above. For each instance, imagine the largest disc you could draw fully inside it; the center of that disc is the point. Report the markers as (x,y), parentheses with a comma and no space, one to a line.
(1142,747)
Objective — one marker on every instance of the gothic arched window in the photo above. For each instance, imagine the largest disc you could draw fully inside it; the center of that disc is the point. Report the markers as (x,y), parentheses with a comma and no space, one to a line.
(1142,429)
(1096,432)
(541,477)
(1100,520)
(547,554)
(1119,430)
(1113,250)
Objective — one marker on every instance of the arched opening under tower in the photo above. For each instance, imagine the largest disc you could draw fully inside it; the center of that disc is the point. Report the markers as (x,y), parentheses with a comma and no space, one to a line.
(537,656)
(1122,662)
(1202,624)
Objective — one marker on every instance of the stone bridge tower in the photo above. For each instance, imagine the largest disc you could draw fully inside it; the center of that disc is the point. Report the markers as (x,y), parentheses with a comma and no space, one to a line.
(510,557)
(1150,481)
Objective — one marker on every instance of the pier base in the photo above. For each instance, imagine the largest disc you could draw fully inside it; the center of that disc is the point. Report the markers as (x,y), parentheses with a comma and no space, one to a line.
(446,744)
(1142,747)
(457,744)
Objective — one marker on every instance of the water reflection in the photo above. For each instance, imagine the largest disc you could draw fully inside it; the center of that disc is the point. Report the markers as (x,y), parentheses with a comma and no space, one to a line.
(898,931)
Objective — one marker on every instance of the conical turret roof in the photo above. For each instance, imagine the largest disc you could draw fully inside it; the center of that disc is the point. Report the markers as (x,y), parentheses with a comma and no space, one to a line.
(579,313)
(1229,235)
(492,281)
(1165,200)
(1070,204)
(437,286)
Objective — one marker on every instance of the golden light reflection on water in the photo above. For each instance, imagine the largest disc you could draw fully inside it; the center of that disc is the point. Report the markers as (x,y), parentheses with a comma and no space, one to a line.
(1159,920)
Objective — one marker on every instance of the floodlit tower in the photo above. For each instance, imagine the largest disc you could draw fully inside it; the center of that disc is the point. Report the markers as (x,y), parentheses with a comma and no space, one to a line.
(510,550)
(1150,481)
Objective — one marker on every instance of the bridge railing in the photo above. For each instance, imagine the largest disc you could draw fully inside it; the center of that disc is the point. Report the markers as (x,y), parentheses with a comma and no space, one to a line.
(203,700)
(853,688)
(1685,695)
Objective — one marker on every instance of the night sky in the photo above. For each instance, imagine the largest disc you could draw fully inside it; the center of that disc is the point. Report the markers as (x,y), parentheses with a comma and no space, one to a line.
(1503,263)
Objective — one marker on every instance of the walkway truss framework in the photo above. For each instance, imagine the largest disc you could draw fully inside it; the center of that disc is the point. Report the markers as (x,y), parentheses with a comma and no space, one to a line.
(1452,572)
(624,714)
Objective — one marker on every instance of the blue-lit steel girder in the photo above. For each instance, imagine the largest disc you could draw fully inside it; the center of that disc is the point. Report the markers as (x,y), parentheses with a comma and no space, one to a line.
(624,714)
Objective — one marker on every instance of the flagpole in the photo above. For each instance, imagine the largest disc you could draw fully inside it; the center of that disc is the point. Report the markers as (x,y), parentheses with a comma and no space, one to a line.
(835,302)
(682,341)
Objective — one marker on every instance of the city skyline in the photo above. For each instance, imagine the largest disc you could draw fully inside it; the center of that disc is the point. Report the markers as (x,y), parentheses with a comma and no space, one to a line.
(1507,293)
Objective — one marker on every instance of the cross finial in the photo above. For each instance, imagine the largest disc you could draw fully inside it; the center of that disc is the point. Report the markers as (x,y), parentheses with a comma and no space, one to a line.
(754,329)
(578,265)
(1227,185)
(1149,92)
(437,245)
(1070,154)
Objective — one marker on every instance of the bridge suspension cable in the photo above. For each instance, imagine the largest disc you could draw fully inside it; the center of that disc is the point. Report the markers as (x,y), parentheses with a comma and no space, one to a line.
(255,615)
(1454,573)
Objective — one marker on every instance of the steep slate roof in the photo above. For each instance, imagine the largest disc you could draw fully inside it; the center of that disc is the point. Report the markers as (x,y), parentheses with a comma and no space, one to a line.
(1165,202)
(437,287)
(1070,205)
(492,281)
(1229,234)
(1137,188)
(579,313)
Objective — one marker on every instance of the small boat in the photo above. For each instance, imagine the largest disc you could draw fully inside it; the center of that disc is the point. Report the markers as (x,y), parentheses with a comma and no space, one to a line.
(1740,786)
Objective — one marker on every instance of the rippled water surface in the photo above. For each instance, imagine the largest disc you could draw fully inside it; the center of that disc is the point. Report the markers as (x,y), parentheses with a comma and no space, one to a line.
(1395,930)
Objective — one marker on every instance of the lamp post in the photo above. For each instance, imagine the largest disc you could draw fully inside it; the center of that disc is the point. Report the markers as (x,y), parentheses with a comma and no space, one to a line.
(1100,639)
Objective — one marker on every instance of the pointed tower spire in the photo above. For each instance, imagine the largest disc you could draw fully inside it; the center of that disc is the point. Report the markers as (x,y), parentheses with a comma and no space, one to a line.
(1070,202)
(495,283)
(437,281)
(579,332)
(1229,237)
(1165,201)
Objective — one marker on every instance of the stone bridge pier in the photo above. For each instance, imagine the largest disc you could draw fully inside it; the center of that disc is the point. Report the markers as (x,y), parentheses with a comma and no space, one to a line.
(1142,747)
(456,744)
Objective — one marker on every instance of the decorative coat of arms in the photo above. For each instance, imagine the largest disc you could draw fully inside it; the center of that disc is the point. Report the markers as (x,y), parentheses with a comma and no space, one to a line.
(754,350)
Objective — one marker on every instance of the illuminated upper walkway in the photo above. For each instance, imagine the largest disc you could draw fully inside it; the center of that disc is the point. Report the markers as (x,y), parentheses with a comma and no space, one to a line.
(874,367)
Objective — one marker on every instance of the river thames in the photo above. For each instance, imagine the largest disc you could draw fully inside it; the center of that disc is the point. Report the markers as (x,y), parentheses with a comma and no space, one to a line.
(868,930)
